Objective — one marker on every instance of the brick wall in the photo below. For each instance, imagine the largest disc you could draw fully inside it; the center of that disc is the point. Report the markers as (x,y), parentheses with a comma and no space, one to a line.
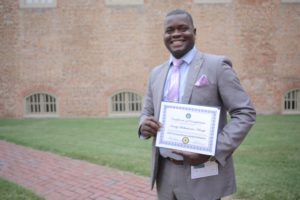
(82,52)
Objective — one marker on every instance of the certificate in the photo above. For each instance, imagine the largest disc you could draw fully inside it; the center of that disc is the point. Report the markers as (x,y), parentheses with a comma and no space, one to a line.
(188,128)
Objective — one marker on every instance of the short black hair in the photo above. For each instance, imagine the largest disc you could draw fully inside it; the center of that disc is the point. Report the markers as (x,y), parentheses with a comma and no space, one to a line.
(179,12)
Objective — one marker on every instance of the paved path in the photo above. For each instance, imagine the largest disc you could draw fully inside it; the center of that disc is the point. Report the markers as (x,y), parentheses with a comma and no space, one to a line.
(60,178)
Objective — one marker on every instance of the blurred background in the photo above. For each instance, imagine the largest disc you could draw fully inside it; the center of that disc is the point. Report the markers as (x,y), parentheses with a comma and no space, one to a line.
(91,58)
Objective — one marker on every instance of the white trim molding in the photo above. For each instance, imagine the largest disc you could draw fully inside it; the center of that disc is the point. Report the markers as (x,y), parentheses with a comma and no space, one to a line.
(37,3)
(290,1)
(212,1)
(124,2)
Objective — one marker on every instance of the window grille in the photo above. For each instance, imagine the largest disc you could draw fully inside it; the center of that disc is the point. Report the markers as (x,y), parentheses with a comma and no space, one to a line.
(40,103)
(126,102)
(292,101)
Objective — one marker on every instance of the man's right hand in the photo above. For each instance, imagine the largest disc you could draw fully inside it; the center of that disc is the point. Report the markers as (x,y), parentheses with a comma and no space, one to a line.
(150,127)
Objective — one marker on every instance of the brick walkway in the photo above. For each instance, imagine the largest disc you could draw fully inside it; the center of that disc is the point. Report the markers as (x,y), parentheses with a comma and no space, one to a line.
(60,178)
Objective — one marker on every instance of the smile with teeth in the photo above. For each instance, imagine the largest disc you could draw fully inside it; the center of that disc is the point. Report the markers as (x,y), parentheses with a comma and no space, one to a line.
(177,42)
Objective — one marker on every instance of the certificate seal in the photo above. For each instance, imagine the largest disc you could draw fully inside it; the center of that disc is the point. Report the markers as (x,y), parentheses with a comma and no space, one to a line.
(188,115)
(185,140)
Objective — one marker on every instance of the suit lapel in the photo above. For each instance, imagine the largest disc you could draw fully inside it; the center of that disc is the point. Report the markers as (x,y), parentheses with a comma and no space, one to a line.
(159,86)
(194,70)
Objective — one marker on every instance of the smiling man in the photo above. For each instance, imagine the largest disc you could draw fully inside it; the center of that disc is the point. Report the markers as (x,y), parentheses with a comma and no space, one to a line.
(193,77)
(179,36)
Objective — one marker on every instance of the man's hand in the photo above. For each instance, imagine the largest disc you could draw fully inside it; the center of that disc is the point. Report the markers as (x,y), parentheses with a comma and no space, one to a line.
(149,127)
(192,158)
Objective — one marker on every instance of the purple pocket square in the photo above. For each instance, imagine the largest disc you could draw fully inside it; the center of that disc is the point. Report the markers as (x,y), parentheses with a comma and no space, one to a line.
(202,81)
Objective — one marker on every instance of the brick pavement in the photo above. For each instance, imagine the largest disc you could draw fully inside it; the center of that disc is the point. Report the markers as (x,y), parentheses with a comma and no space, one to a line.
(60,178)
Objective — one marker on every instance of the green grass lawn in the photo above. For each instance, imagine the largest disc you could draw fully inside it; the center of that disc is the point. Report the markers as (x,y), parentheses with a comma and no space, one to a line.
(109,142)
(11,191)
(267,163)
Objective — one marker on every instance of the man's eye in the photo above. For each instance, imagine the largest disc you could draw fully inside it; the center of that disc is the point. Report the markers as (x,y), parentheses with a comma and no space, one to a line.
(183,28)
(169,31)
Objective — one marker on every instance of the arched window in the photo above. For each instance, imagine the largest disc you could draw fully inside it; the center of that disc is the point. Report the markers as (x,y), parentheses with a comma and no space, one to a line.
(292,101)
(126,103)
(40,103)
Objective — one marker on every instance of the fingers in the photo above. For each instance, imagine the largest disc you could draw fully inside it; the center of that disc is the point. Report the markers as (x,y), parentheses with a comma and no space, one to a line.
(187,156)
(181,153)
(150,127)
(192,158)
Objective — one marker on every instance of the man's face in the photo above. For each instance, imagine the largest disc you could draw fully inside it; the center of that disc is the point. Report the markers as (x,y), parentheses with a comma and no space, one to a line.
(179,34)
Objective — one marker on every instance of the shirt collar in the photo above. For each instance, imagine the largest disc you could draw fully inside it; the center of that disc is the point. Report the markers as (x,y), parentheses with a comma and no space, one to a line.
(187,58)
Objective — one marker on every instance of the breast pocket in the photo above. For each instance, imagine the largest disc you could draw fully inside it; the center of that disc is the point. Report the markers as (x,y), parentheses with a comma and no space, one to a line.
(206,96)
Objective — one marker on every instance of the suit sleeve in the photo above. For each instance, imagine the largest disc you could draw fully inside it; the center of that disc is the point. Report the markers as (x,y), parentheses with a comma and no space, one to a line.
(241,111)
(148,109)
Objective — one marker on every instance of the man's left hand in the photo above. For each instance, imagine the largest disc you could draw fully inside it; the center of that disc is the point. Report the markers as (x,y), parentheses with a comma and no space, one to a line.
(192,158)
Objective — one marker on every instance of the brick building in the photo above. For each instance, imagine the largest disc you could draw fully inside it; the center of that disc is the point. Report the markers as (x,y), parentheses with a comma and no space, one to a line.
(92,57)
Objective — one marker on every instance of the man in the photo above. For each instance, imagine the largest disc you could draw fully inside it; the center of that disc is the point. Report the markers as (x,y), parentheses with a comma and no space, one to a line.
(206,80)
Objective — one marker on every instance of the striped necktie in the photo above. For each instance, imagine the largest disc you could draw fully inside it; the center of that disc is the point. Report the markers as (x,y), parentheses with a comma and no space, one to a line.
(173,91)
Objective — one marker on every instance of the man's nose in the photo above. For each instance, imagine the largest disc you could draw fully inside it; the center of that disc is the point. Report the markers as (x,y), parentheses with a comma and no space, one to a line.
(176,33)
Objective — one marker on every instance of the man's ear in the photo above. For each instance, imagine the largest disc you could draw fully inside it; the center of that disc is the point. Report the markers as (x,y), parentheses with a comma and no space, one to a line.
(195,31)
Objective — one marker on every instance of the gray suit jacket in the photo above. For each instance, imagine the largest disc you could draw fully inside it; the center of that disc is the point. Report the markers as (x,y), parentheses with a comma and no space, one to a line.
(225,91)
